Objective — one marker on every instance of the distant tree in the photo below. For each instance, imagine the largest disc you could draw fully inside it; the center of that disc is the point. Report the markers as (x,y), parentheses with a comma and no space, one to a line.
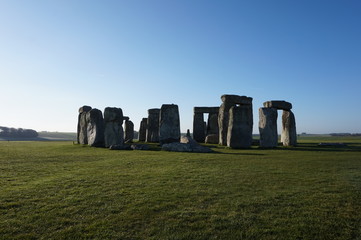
(18,132)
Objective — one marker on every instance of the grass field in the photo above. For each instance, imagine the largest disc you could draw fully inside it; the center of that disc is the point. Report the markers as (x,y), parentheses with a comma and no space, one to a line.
(57,190)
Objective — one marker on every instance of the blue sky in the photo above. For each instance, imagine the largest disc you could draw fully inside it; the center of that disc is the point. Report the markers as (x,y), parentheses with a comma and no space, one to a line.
(56,56)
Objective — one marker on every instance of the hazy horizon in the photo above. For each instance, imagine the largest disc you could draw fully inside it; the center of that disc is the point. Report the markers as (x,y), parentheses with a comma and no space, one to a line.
(57,56)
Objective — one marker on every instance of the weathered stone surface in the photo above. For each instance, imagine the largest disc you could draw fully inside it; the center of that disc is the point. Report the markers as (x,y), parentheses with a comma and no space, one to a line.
(206,109)
(153,125)
(212,124)
(95,129)
(187,144)
(85,108)
(120,147)
(212,139)
(289,134)
(240,127)
(169,124)
(140,147)
(199,131)
(223,118)
(142,130)
(128,131)
(236,99)
(113,129)
(278,104)
(82,136)
(268,127)
(125,118)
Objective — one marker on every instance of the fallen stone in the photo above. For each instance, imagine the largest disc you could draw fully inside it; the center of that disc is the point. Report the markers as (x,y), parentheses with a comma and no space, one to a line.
(140,147)
(212,139)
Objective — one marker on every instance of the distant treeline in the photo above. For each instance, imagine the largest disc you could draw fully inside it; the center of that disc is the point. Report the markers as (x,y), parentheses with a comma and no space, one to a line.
(345,134)
(18,132)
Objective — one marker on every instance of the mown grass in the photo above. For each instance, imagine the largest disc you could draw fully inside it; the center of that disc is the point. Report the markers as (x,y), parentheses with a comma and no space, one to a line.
(57,190)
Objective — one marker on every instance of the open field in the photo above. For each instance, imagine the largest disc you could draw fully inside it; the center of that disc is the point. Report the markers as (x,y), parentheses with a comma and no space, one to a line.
(57,190)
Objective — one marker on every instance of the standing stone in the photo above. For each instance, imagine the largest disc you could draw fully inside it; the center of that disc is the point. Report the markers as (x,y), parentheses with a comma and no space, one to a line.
(198,127)
(128,131)
(223,116)
(268,127)
(82,136)
(289,134)
(240,127)
(95,129)
(169,125)
(113,129)
(142,130)
(212,125)
(152,134)
(223,119)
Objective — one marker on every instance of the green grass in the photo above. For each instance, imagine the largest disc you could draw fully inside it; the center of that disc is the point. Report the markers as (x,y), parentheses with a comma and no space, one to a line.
(57,190)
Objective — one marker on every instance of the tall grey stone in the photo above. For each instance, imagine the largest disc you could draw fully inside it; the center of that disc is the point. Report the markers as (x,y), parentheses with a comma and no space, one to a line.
(240,127)
(268,127)
(289,134)
(82,136)
(223,116)
(113,129)
(128,131)
(212,124)
(199,131)
(152,134)
(169,124)
(95,129)
(142,130)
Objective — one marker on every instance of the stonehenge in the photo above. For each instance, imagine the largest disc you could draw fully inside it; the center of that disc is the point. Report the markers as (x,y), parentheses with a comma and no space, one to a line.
(113,130)
(223,116)
(142,130)
(169,124)
(229,125)
(152,132)
(82,136)
(95,128)
(268,124)
(128,131)
(202,130)
(240,127)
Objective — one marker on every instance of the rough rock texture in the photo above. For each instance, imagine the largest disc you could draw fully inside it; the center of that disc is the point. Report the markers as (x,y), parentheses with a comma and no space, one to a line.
(113,129)
(82,136)
(169,125)
(140,147)
(278,104)
(212,139)
(95,129)
(212,124)
(187,144)
(268,127)
(240,127)
(289,134)
(223,116)
(142,130)
(199,131)
(152,134)
(236,99)
(128,131)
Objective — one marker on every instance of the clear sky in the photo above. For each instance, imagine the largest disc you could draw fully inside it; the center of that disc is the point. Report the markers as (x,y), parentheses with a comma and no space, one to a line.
(56,56)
